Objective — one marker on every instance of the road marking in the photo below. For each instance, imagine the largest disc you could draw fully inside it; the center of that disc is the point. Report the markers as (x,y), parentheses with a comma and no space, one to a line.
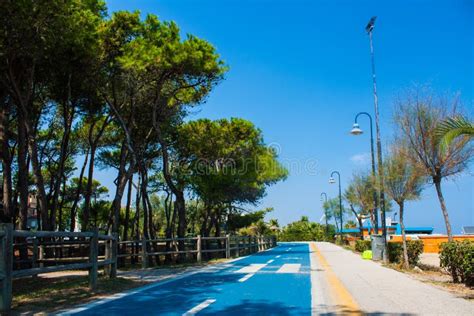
(278,256)
(199,307)
(290,268)
(245,278)
(344,300)
(254,267)
(270,261)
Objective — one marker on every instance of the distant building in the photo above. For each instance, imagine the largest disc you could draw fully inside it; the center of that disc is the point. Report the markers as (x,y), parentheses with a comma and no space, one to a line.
(393,228)
(468,230)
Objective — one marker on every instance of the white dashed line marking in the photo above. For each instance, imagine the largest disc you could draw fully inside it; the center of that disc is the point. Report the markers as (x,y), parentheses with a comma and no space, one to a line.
(245,278)
(290,268)
(270,261)
(199,307)
(278,256)
(254,267)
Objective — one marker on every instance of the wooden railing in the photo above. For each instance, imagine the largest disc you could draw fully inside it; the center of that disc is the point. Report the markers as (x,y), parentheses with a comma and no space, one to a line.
(25,253)
(195,247)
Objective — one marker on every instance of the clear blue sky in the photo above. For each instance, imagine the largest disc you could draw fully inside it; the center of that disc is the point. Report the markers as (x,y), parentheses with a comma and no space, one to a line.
(300,70)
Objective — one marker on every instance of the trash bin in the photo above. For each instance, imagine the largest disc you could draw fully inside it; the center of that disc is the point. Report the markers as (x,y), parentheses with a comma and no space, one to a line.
(377,247)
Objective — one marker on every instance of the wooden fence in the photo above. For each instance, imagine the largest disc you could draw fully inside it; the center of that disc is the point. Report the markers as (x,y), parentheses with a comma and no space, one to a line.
(25,253)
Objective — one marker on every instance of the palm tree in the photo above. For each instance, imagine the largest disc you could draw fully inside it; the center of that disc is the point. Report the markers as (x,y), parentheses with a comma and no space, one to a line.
(452,128)
(274,225)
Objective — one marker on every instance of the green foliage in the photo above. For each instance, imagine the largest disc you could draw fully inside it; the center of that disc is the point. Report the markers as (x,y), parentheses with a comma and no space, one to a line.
(458,259)
(259,228)
(304,230)
(452,128)
(332,211)
(238,221)
(363,245)
(226,160)
(414,249)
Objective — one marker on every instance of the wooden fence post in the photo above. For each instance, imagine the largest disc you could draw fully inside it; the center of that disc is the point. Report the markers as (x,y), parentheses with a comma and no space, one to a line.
(144,254)
(199,248)
(107,255)
(227,246)
(93,249)
(6,266)
(34,257)
(41,256)
(113,255)
(237,246)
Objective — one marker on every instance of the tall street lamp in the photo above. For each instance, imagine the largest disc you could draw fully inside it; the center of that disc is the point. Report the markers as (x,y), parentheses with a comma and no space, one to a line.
(356,130)
(332,180)
(325,212)
(369,28)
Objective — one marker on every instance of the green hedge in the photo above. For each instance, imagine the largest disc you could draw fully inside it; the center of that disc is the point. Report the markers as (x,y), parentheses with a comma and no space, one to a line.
(458,259)
(362,245)
(414,249)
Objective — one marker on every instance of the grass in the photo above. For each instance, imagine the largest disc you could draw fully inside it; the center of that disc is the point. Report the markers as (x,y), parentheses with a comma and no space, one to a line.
(33,295)
(437,277)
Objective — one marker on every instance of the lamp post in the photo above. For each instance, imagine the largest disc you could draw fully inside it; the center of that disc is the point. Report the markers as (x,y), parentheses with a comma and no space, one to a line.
(369,28)
(325,212)
(331,180)
(356,130)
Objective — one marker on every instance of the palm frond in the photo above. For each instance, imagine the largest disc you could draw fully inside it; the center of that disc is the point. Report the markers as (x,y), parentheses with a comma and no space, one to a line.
(454,127)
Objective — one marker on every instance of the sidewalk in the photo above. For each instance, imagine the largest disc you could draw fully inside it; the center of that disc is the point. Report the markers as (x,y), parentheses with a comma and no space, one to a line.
(380,290)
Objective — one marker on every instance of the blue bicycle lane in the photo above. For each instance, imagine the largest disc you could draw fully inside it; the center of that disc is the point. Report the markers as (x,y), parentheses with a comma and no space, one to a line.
(273,282)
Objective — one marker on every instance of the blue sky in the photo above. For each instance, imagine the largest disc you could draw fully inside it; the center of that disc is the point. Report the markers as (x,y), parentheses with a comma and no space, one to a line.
(300,70)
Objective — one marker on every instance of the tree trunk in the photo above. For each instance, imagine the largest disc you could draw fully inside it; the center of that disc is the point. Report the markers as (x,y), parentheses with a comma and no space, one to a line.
(437,183)
(180,202)
(6,164)
(88,192)
(38,176)
(121,183)
(78,192)
(67,121)
(22,176)
(181,212)
(406,263)
(127,209)
(359,221)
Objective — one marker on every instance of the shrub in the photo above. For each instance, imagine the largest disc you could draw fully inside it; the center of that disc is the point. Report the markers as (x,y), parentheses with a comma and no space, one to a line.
(362,245)
(414,249)
(458,259)
(394,251)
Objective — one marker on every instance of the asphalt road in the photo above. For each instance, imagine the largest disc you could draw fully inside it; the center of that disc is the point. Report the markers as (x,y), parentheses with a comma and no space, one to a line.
(291,279)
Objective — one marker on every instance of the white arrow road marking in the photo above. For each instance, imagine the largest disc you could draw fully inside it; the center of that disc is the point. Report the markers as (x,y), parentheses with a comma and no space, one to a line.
(252,268)
(290,268)
(245,278)
(199,307)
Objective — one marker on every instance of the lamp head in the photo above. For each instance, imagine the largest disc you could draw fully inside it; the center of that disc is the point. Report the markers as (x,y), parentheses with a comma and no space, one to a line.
(331,180)
(356,130)
(370,25)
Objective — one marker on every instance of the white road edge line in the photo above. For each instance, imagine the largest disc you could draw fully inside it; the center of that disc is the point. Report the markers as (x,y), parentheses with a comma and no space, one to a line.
(245,278)
(199,307)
